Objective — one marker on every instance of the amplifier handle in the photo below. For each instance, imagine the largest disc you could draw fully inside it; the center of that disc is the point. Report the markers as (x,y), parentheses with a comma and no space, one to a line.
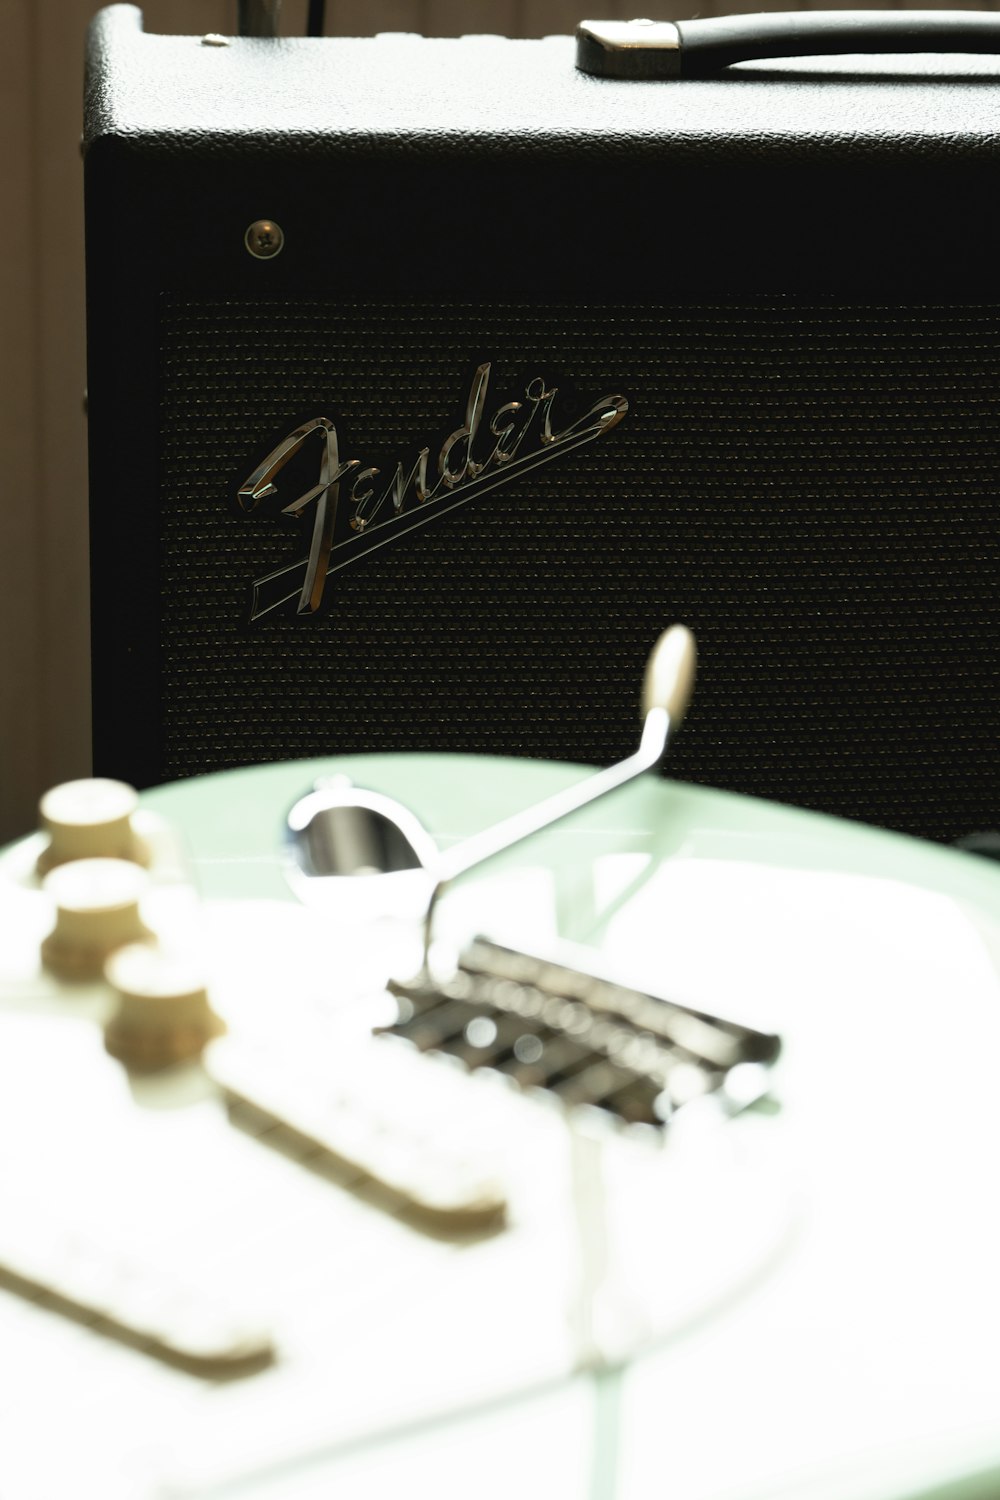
(698,48)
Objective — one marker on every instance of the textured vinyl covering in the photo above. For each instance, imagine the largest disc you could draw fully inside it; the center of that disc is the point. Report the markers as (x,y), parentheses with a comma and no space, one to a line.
(452,98)
(811,488)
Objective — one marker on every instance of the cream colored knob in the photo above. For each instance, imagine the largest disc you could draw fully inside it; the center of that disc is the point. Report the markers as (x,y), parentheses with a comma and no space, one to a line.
(97,911)
(89,819)
(163,1015)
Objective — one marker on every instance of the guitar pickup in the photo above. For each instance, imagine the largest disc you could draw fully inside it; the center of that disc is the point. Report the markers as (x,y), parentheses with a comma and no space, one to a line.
(380,1123)
(125,1300)
(581,1036)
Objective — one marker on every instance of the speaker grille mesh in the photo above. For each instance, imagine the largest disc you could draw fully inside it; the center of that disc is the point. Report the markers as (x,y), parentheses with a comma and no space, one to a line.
(811,487)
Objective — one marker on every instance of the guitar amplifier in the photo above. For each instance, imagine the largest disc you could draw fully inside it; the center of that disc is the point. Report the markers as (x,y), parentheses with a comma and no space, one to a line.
(429,379)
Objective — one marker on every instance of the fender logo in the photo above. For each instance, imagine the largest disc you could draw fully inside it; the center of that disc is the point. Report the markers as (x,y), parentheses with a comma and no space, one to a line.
(478,456)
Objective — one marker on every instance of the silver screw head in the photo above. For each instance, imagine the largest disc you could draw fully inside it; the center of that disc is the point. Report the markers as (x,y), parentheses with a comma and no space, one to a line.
(264,239)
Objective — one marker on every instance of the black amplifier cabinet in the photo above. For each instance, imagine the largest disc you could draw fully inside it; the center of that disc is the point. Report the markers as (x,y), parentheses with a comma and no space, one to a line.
(430,379)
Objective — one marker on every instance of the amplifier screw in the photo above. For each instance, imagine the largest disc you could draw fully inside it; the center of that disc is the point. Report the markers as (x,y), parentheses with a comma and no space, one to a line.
(264,239)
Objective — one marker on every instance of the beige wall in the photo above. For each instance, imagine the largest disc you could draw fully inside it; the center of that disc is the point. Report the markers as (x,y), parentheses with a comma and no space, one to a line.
(44,686)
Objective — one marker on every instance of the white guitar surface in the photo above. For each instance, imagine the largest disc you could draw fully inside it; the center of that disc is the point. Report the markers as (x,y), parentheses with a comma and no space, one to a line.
(799,1300)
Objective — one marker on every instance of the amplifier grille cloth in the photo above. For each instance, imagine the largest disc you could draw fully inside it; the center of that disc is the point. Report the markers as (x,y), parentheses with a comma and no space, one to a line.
(811,487)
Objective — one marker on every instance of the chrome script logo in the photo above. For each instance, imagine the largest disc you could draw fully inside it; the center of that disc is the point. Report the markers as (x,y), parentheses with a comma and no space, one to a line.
(354,510)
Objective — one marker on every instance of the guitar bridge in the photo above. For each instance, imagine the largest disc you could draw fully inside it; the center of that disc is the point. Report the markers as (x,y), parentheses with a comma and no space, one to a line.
(582,1037)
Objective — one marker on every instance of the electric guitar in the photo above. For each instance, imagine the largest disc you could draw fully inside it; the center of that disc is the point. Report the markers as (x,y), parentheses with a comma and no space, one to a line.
(696,1105)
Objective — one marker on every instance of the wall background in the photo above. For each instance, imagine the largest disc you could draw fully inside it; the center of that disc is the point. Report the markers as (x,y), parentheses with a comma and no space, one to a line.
(44,669)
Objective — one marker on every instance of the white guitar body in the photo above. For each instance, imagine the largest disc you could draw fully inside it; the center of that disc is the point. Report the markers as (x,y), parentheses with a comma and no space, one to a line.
(801,1299)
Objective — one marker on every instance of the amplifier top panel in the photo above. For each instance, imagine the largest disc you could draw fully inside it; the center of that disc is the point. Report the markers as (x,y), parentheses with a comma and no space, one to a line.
(478,93)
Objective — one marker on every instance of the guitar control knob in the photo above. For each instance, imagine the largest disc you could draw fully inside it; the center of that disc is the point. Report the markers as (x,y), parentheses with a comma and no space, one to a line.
(163,1015)
(89,819)
(97,911)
